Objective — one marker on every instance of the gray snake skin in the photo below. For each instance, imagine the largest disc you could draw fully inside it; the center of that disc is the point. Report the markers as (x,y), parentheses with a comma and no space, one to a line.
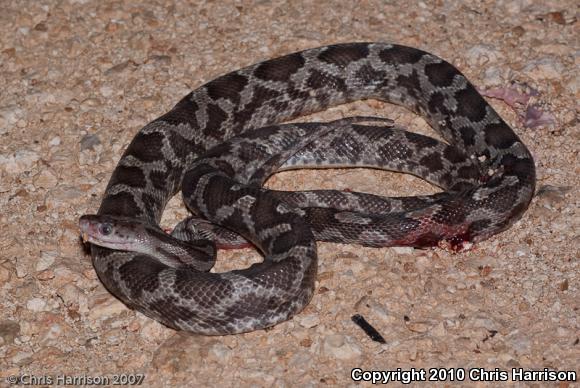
(284,226)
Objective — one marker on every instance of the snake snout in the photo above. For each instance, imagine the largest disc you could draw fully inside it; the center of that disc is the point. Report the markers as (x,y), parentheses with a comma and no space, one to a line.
(88,226)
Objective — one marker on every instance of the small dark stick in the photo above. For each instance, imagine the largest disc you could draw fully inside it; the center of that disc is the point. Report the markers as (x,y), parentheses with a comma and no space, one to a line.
(367,328)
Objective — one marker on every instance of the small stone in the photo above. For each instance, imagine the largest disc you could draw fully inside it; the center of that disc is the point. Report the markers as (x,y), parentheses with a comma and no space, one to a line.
(492,76)
(419,326)
(46,179)
(306,342)
(19,162)
(55,331)
(546,68)
(9,115)
(36,304)
(55,141)
(45,275)
(90,103)
(106,91)
(221,352)
(106,308)
(482,54)
(89,142)
(153,331)
(403,250)
(341,347)
(9,330)
(520,343)
(47,258)
(70,294)
(4,275)
(309,321)
(113,337)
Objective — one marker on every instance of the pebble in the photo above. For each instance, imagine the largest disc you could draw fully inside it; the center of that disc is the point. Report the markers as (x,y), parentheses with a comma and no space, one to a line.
(19,162)
(309,321)
(492,76)
(419,326)
(9,330)
(46,179)
(521,343)
(341,347)
(70,294)
(90,141)
(544,68)
(55,141)
(4,275)
(482,54)
(36,304)
(221,352)
(46,259)
(9,115)
(105,308)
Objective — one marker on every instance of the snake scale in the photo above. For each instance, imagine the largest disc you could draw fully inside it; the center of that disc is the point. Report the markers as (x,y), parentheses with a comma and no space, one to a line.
(487,173)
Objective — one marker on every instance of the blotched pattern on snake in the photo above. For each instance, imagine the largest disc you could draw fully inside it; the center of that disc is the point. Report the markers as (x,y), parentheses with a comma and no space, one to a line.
(481,199)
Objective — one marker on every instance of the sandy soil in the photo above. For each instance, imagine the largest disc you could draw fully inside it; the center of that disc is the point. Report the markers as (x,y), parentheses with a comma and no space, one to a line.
(80,77)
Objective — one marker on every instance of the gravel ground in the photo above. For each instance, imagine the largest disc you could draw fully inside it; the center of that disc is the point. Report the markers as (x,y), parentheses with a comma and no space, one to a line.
(80,77)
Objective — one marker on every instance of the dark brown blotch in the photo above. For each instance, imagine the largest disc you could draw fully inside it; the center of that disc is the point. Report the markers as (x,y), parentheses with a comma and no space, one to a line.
(146,147)
(432,161)
(130,176)
(228,86)
(401,55)
(121,204)
(500,136)
(280,69)
(454,155)
(467,136)
(411,83)
(470,104)
(344,54)
(421,141)
(436,104)
(215,120)
(440,74)
(369,76)
(182,113)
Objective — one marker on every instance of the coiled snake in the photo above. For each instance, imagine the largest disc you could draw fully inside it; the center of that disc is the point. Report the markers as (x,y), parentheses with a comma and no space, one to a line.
(487,172)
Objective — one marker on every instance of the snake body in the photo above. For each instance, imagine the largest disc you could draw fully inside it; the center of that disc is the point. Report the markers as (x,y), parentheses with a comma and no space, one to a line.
(155,164)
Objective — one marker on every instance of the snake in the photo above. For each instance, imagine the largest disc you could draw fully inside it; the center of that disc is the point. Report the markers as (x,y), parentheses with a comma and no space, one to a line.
(183,149)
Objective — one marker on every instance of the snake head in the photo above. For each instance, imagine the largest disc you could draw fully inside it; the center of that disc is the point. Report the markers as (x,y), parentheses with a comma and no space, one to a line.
(110,232)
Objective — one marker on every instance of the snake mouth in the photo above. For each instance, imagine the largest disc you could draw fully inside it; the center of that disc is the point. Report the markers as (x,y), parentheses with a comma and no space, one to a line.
(91,228)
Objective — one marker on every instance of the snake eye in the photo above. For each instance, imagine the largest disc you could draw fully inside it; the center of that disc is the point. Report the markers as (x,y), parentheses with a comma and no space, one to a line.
(106,229)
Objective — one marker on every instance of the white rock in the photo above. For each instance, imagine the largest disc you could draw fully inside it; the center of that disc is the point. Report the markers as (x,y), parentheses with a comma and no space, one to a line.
(221,352)
(547,68)
(309,321)
(18,162)
(482,54)
(46,179)
(403,250)
(54,141)
(47,258)
(36,304)
(106,309)
(70,294)
(106,91)
(9,115)
(492,76)
(53,333)
(341,347)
